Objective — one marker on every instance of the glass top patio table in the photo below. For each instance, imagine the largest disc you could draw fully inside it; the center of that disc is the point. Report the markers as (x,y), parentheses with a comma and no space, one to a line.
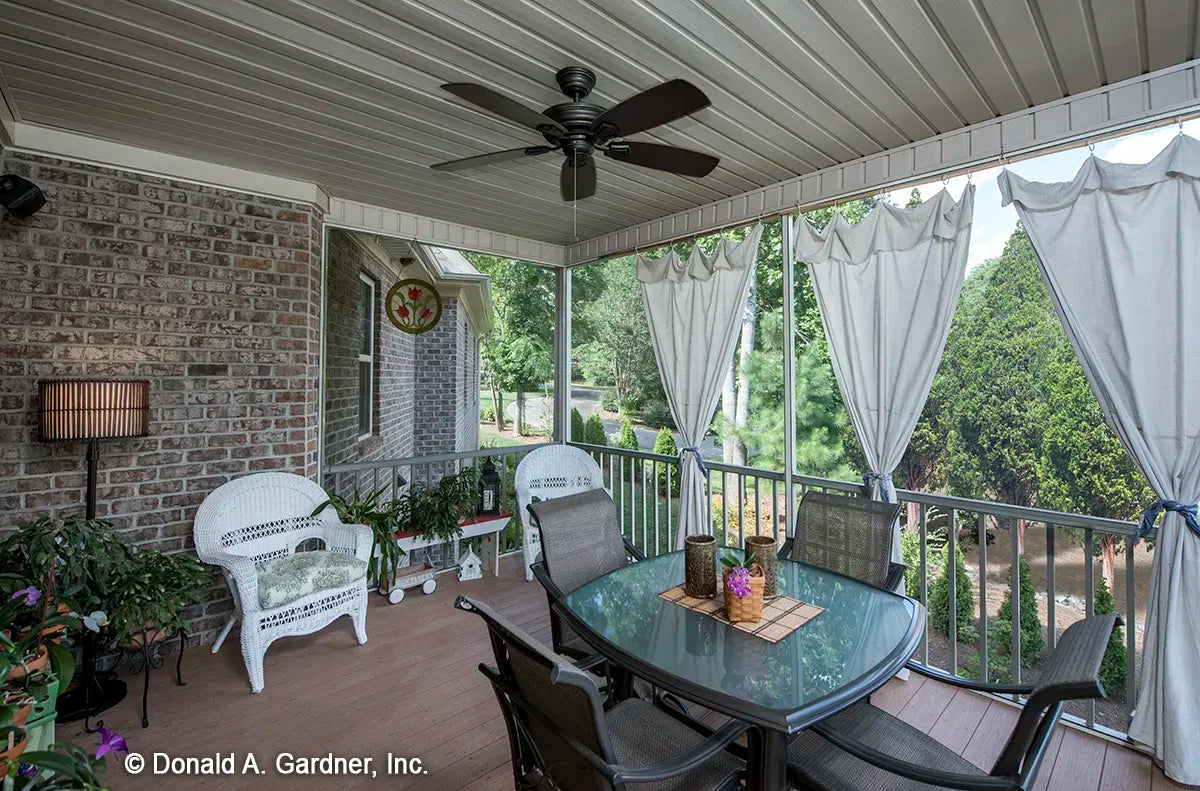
(864,636)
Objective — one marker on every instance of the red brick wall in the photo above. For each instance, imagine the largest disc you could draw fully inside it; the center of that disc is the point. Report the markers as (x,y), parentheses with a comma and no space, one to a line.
(211,295)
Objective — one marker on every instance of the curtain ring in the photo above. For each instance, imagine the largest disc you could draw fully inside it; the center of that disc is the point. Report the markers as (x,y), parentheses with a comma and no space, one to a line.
(1091,146)
(1180,121)
(945,180)
(968,176)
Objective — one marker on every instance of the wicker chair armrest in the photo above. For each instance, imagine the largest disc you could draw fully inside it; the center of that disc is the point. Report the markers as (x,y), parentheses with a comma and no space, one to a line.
(632,551)
(966,683)
(244,574)
(921,774)
(684,762)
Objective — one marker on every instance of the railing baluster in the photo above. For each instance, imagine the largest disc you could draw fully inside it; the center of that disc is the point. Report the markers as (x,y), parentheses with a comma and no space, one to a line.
(758,509)
(1051,604)
(670,546)
(952,547)
(924,584)
(983,571)
(740,485)
(1130,617)
(1089,599)
(656,510)
(645,517)
(1015,592)
(775,510)
(708,485)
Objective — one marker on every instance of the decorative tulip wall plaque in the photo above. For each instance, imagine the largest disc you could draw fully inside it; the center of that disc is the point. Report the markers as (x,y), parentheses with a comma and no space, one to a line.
(414,306)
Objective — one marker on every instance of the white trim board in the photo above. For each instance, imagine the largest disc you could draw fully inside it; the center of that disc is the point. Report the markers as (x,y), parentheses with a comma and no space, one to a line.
(360,216)
(51,142)
(1139,101)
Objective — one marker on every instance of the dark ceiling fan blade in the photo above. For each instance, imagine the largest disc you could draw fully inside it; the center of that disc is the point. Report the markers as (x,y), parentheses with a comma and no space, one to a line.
(579,182)
(503,106)
(653,107)
(672,159)
(490,159)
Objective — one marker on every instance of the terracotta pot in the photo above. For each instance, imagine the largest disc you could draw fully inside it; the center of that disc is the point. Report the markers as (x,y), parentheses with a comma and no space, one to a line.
(22,715)
(14,751)
(53,633)
(744,608)
(38,664)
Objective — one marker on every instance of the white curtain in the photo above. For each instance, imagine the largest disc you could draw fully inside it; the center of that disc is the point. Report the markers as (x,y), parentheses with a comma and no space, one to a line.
(694,307)
(1119,247)
(887,287)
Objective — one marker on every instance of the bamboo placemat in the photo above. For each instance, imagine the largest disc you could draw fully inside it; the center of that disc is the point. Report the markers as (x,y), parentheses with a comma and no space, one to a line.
(780,617)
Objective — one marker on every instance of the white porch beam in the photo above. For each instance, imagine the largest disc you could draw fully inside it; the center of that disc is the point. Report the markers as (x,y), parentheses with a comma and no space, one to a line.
(8,114)
(562,356)
(50,142)
(1104,111)
(414,227)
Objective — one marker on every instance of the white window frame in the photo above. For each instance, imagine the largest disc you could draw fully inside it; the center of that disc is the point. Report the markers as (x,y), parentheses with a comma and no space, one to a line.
(369,359)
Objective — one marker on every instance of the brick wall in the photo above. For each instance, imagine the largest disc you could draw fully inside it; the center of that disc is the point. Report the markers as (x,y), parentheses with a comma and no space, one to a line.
(211,295)
(447,413)
(394,388)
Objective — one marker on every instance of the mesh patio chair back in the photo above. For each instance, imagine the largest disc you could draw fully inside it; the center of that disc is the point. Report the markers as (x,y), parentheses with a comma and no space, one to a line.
(847,535)
(581,537)
(549,683)
(1071,673)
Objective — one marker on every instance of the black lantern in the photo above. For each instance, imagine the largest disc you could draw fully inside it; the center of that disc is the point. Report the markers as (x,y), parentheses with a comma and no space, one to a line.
(489,488)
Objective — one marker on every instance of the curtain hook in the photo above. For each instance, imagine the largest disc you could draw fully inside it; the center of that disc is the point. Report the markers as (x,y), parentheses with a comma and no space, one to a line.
(968,176)
(1180,120)
(945,180)
(1091,147)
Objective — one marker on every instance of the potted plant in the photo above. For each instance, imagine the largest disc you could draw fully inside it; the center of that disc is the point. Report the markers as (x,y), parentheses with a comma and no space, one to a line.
(437,512)
(146,602)
(742,582)
(385,526)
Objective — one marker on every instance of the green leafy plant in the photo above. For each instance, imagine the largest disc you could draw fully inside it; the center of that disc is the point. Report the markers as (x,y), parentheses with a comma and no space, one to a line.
(578,427)
(384,521)
(435,512)
(627,437)
(657,415)
(84,556)
(152,593)
(1000,634)
(594,433)
(64,766)
(1112,669)
(964,598)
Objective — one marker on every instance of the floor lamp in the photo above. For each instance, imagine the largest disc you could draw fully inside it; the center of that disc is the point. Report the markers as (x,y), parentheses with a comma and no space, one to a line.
(92,410)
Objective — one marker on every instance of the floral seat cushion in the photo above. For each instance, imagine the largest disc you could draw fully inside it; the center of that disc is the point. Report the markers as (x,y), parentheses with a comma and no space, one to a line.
(284,580)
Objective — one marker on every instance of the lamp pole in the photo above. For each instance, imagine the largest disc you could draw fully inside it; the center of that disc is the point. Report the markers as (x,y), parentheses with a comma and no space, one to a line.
(93,460)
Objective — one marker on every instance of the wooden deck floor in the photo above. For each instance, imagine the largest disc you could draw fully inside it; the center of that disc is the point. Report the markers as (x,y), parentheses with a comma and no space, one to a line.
(413,691)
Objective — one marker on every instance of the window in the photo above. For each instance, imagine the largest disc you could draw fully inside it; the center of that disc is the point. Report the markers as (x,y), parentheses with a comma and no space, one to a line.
(366,358)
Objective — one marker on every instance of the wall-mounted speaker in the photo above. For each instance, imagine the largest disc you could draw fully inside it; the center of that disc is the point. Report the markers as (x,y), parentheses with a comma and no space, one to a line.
(20,196)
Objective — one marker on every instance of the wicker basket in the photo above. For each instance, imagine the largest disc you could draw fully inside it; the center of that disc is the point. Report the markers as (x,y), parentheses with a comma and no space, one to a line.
(745,608)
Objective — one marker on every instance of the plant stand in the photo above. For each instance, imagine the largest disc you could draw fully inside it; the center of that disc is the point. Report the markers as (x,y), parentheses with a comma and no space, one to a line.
(98,691)
(486,525)
(145,655)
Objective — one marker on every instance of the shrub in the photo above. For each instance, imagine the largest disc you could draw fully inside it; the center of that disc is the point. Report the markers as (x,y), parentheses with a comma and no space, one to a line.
(578,431)
(609,402)
(1033,641)
(626,437)
(910,551)
(664,445)
(657,415)
(487,413)
(964,597)
(1112,669)
(593,431)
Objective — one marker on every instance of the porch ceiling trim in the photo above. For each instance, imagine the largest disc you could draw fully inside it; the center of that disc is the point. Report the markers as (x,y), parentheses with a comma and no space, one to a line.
(1139,101)
(8,117)
(60,144)
(359,216)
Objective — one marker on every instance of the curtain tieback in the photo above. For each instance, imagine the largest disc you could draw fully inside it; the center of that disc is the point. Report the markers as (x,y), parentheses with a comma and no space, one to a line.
(884,478)
(699,459)
(1150,516)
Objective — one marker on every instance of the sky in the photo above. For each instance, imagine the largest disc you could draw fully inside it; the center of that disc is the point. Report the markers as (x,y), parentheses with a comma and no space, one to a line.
(993,223)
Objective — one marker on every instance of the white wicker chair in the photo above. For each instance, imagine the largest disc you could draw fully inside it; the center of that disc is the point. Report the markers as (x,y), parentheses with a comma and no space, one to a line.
(252,521)
(547,473)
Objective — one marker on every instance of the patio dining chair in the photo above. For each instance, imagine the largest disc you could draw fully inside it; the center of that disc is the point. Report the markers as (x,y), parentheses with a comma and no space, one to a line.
(848,535)
(581,540)
(561,736)
(865,748)
(549,472)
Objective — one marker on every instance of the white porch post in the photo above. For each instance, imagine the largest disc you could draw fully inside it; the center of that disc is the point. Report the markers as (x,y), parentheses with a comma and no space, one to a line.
(789,372)
(562,356)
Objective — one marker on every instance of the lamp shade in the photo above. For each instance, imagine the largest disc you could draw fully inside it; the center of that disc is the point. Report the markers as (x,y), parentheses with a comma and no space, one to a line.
(93,409)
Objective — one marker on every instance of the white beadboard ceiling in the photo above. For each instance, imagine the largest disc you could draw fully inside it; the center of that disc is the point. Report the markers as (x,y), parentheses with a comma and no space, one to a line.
(344,93)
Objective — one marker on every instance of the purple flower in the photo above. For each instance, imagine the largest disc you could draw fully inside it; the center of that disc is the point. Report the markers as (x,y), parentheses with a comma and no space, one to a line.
(739,582)
(26,770)
(31,595)
(110,742)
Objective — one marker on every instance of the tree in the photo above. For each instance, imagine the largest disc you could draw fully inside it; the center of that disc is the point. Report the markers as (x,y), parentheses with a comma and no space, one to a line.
(578,434)
(627,437)
(1084,467)
(664,445)
(995,360)
(914,199)
(614,345)
(593,431)
(1113,669)
(518,354)
(964,598)
(1033,641)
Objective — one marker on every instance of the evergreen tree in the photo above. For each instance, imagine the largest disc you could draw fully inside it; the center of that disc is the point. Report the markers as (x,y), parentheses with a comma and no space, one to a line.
(1113,668)
(664,445)
(578,431)
(593,431)
(626,437)
(964,598)
(1033,641)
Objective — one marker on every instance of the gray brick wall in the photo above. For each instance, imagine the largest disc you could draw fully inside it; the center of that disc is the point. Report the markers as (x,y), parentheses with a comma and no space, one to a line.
(211,295)
(394,390)
(447,369)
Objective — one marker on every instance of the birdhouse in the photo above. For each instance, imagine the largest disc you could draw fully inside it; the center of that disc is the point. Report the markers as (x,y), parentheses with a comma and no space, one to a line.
(470,567)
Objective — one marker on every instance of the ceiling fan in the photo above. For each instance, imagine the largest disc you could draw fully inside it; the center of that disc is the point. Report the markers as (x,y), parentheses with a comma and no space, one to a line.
(579,129)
